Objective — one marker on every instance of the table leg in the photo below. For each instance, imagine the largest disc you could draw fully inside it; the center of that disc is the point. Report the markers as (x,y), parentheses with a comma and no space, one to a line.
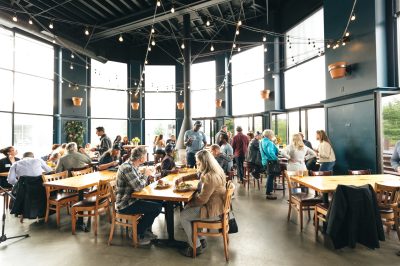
(80,225)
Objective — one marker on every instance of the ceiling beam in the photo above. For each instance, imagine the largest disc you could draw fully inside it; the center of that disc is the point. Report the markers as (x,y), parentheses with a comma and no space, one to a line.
(93,9)
(104,8)
(148,21)
(115,6)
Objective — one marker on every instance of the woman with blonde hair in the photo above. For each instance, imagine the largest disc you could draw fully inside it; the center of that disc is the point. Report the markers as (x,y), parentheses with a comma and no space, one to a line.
(208,204)
(325,152)
(297,153)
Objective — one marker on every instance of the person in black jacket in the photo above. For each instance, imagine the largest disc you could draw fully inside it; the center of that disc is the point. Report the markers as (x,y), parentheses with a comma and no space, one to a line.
(105,141)
(168,164)
(222,159)
(253,156)
(5,163)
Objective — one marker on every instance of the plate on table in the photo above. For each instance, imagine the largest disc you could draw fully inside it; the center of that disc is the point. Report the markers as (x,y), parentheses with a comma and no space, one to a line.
(162,185)
(183,170)
(184,187)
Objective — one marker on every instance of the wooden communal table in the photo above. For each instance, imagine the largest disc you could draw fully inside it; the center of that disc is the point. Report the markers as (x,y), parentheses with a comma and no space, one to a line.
(169,196)
(326,184)
(4,174)
(80,183)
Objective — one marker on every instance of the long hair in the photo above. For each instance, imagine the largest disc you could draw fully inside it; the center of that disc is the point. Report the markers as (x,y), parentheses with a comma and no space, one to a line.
(323,136)
(208,165)
(159,137)
(6,150)
(297,141)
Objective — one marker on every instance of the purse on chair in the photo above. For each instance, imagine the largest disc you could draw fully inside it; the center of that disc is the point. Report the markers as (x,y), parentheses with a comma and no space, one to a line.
(233,227)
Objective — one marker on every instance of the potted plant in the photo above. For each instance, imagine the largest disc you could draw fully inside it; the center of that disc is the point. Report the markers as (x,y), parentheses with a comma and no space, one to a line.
(218,103)
(337,70)
(135,141)
(77,101)
(180,105)
(135,105)
(265,94)
(74,131)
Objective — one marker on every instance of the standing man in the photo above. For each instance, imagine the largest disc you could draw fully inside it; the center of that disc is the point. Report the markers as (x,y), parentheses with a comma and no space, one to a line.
(105,141)
(223,131)
(194,140)
(240,143)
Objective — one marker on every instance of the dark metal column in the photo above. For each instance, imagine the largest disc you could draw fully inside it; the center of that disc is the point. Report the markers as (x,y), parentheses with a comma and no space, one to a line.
(187,117)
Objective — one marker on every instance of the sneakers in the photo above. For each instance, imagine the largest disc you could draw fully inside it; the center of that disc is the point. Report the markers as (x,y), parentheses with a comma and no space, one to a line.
(149,234)
(188,251)
(271,196)
(142,240)
(203,243)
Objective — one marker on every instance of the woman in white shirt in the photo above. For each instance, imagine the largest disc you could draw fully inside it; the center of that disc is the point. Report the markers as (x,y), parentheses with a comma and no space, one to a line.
(325,152)
(297,153)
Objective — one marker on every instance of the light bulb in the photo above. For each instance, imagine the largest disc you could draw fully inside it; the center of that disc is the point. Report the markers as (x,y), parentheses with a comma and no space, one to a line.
(172,9)
(264,39)
(347,34)
(343,43)
(30,21)
(149,48)
(237,32)
(51,26)
(183,46)
(71,66)
(208,23)
(86,31)
(72,55)
(14,18)
(269,69)
(153,42)
(54,41)
(328,46)
(87,67)
(234,45)
(212,48)
(152,30)
(158,3)
(145,62)
(239,49)
(239,23)
(353,17)
(265,49)
(121,39)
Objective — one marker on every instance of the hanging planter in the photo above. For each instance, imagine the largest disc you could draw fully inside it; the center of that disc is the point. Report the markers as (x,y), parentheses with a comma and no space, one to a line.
(265,94)
(77,101)
(135,106)
(218,103)
(337,70)
(180,105)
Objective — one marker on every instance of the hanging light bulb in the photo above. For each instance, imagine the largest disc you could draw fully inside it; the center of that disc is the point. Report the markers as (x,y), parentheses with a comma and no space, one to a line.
(347,34)
(183,45)
(51,26)
(14,18)
(328,45)
(120,39)
(87,67)
(343,43)
(30,21)
(87,31)
(54,41)
(172,9)
(353,17)
(72,55)
(208,23)
(264,38)
(152,30)
(265,49)
(212,48)
(239,23)
(153,42)
(149,49)
(239,49)
(71,66)
(237,32)
(234,45)
(158,3)
(145,62)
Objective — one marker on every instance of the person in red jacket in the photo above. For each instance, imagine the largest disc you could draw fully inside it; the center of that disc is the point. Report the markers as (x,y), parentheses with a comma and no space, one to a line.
(240,142)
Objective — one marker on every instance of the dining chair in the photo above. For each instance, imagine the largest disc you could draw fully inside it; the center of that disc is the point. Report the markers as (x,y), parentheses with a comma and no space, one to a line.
(321,173)
(124,220)
(387,197)
(56,198)
(93,205)
(220,227)
(300,201)
(359,172)
(320,213)
(83,171)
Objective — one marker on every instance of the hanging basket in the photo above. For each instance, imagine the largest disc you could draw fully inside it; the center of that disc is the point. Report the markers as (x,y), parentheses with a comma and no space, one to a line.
(218,103)
(135,106)
(77,101)
(180,105)
(265,94)
(337,70)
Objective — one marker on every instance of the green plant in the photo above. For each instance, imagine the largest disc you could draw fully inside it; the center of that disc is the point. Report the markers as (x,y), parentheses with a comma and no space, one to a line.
(74,131)
(136,140)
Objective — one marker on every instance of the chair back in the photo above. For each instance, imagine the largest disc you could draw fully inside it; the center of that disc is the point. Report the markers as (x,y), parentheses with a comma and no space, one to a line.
(53,177)
(321,173)
(113,188)
(387,196)
(230,188)
(84,171)
(291,184)
(103,191)
(359,172)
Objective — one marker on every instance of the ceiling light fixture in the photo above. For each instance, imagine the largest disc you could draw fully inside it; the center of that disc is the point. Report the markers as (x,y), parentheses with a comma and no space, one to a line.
(264,38)
(30,21)
(120,39)
(347,34)
(152,30)
(212,48)
(183,45)
(172,9)
(14,18)
(239,23)
(51,26)
(153,42)
(208,23)
(158,3)
(87,31)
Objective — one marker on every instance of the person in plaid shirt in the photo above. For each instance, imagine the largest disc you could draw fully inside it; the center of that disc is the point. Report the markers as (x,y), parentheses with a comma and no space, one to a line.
(129,179)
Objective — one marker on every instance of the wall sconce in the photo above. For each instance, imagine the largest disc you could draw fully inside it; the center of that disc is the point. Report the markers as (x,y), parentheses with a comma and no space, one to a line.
(77,101)
(218,103)
(338,70)
(265,94)
(135,105)
(180,105)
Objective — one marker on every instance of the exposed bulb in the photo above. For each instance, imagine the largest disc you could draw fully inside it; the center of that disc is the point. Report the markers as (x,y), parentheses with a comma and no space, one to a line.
(347,34)
(237,32)
(71,66)
(265,49)
(14,18)
(51,26)
(343,43)
(239,49)
(264,39)
(234,45)
(72,55)
(239,23)
(353,17)
(30,21)
(172,9)
(152,30)
(183,46)
(149,49)
(208,23)
(145,62)
(158,3)
(153,42)
(328,46)
(87,67)
(212,48)
(121,39)
(87,32)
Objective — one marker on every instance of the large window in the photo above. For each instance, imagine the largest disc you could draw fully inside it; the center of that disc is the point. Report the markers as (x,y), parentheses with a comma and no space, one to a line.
(315,121)
(203,89)
(6,132)
(112,127)
(155,128)
(293,124)
(245,122)
(248,81)
(305,83)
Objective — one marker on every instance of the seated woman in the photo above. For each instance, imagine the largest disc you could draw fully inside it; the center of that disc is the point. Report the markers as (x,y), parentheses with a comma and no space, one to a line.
(5,163)
(297,153)
(110,158)
(208,204)
(168,164)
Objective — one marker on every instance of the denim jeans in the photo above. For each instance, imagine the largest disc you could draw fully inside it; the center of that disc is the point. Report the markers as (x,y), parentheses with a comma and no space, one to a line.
(190,159)
(270,183)
(239,164)
(326,166)
(149,209)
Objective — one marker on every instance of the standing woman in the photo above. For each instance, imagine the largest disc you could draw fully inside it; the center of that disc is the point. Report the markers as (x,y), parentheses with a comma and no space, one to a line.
(5,163)
(297,153)
(325,152)
(160,146)
(269,156)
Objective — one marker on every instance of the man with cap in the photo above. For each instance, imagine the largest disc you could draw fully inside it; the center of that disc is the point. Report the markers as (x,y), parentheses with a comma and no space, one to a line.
(194,140)
(110,158)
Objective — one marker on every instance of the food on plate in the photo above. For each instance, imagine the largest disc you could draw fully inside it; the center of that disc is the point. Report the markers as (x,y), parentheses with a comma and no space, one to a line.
(184,186)
(162,184)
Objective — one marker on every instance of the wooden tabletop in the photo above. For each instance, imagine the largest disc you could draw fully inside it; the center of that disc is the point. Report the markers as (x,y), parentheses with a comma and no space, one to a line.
(327,184)
(83,181)
(168,194)
(4,174)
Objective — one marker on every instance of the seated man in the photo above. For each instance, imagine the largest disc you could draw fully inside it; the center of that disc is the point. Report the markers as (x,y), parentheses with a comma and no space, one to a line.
(222,159)
(28,166)
(168,164)
(73,158)
(110,158)
(129,180)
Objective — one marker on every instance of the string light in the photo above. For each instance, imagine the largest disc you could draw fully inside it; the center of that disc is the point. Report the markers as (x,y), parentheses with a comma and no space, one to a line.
(343,43)
(72,55)
(152,30)
(153,42)
(14,18)
(172,9)
(264,39)
(208,23)
(353,17)
(239,49)
(158,3)
(120,39)
(269,69)
(328,45)
(30,21)
(87,67)
(212,48)
(347,34)
(87,31)
(145,62)
(237,32)
(183,45)
(239,23)
(234,45)
(265,49)
(149,49)
(71,66)
(51,26)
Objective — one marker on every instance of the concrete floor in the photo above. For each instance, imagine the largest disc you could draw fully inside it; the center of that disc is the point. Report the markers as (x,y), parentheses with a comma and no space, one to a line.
(264,238)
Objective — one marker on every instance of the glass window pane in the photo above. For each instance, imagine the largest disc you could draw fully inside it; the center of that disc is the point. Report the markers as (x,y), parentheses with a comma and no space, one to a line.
(33,133)
(160,105)
(112,75)
(156,127)
(244,123)
(111,127)
(305,84)
(391,121)
(6,89)
(203,89)
(316,121)
(293,124)
(6,130)
(303,121)
(282,128)
(33,94)
(100,103)
(160,78)
(258,124)
(34,57)
(7,48)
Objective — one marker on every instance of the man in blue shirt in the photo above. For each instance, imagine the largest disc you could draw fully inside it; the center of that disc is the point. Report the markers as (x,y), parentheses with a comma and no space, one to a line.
(194,140)
(269,154)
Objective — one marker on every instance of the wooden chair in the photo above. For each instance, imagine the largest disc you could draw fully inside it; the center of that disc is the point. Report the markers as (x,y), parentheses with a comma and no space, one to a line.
(387,197)
(300,201)
(397,216)
(321,173)
(56,199)
(93,205)
(246,174)
(125,220)
(320,212)
(221,226)
(83,171)
(359,172)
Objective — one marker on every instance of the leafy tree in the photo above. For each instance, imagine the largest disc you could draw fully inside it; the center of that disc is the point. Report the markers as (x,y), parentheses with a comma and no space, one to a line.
(391,122)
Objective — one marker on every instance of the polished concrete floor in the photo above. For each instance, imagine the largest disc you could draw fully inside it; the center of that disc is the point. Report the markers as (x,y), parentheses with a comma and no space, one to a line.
(264,238)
